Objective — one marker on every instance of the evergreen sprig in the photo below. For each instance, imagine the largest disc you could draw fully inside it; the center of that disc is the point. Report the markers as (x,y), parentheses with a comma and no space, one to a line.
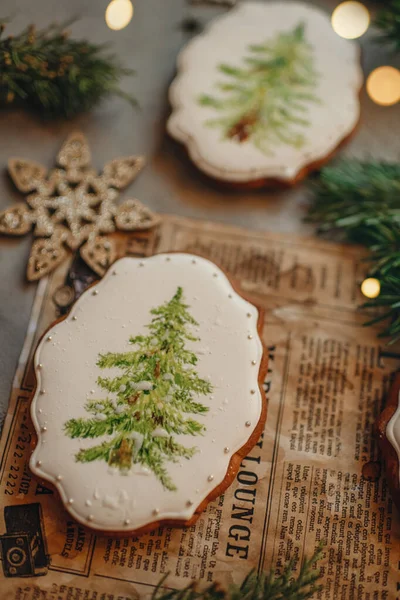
(352,195)
(286,586)
(389,301)
(388,22)
(361,202)
(56,76)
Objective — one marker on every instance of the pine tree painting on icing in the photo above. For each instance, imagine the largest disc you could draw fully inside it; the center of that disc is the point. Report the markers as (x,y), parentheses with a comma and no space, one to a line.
(266,101)
(150,400)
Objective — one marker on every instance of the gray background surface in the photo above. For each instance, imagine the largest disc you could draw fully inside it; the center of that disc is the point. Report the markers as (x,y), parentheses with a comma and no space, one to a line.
(169,184)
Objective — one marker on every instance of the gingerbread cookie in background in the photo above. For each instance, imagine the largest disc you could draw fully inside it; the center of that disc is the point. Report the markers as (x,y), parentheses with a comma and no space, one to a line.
(149,394)
(266,94)
(388,428)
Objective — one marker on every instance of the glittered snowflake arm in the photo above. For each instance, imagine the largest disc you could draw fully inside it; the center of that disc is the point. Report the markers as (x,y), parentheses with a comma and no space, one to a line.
(72,207)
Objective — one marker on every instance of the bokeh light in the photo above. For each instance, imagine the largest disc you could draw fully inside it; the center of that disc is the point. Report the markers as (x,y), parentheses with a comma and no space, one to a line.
(119,14)
(371,287)
(350,20)
(383,86)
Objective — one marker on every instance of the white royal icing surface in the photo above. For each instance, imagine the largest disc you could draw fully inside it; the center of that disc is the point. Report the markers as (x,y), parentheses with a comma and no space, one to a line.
(226,41)
(102,321)
(393,430)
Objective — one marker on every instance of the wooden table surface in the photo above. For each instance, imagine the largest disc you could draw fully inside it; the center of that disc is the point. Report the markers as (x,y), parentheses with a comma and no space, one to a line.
(169,184)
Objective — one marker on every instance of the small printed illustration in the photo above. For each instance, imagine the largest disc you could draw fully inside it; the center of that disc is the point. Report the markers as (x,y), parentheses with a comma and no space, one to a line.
(266,101)
(150,400)
(23,547)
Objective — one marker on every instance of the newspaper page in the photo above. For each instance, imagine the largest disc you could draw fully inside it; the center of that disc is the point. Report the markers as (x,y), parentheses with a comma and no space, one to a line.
(314,475)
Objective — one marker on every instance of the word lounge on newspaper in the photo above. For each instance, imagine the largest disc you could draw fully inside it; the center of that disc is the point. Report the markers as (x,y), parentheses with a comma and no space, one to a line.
(240,533)
(242,516)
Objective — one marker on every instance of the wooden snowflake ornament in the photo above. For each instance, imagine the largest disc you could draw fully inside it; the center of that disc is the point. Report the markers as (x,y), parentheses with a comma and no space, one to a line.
(72,206)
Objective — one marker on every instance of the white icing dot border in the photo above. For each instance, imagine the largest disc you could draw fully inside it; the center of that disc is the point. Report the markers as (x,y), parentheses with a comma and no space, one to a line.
(43,469)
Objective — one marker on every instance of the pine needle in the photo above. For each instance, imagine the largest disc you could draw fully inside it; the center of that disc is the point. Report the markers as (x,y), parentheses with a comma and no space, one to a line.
(56,76)
(285,586)
(388,22)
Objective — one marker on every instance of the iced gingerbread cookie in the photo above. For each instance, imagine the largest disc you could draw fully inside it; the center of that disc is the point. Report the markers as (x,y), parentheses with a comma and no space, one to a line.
(149,394)
(266,94)
(388,427)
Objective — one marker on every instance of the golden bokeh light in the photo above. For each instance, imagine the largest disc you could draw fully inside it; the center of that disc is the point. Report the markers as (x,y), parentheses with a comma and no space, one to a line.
(350,20)
(119,14)
(383,86)
(371,287)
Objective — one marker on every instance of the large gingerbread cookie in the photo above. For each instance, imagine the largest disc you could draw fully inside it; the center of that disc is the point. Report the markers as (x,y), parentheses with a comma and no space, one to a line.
(266,94)
(149,394)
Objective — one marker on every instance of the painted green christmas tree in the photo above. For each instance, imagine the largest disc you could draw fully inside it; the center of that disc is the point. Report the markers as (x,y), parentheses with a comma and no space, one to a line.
(150,400)
(267,100)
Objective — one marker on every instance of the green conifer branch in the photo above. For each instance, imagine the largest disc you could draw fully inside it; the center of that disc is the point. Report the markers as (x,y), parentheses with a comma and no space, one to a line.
(49,72)
(87,428)
(360,202)
(102,451)
(115,359)
(151,455)
(353,195)
(289,585)
(173,450)
(191,427)
(189,406)
(388,22)
(388,301)
(104,406)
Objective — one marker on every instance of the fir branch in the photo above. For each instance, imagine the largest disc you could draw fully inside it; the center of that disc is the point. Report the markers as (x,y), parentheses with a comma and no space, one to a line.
(383,241)
(95,406)
(388,22)
(361,202)
(172,449)
(195,383)
(115,359)
(150,455)
(188,357)
(189,406)
(389,301)
(56,76)
(102,451)
(89,428)
(285,586)
(191,427)
(353,193)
